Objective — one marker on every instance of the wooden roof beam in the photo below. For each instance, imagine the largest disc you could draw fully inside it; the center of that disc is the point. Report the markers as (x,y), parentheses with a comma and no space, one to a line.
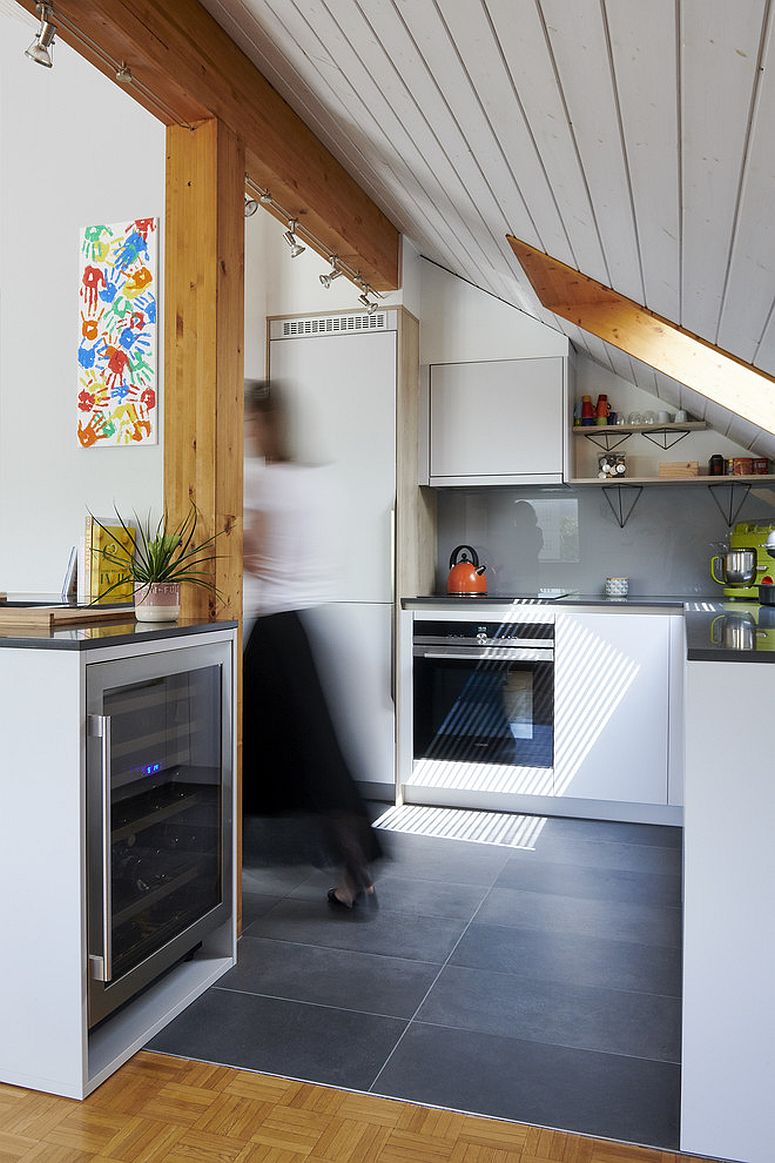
(671,349)
(188,70)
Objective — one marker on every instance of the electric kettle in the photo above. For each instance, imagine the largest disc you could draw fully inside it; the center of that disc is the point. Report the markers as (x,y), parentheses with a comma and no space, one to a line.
(466,575)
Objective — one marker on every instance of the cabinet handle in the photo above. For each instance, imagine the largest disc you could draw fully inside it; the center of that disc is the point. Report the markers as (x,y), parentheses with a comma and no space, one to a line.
(102,964)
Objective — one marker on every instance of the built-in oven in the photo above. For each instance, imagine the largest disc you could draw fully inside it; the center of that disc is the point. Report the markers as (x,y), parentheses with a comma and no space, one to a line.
(483,697)
(159,819)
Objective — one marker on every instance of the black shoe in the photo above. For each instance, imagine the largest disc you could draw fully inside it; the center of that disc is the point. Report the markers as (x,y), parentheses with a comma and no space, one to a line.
(337,903)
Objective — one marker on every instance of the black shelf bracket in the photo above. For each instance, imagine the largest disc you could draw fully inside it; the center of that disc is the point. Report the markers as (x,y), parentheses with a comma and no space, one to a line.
(620,509)
(730,509)
(608,441)
(664,437)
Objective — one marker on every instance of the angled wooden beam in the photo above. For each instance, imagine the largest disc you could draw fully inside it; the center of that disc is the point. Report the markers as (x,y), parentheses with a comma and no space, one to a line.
(714,373)
(187,69)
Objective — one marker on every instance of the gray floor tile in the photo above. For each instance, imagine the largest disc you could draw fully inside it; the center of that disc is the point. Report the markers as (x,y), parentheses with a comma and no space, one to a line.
(580,1090)
(390,934)
(572,958)
(402,894)
(596,883)
(275,879)
(602,854)
(658,835)
(365,982)
(331,1046)
(640,1025)
(615,920)
(255,905)
(431,858)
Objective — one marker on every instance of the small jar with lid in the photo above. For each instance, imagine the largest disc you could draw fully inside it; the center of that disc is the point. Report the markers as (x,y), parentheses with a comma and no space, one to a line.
(716,466)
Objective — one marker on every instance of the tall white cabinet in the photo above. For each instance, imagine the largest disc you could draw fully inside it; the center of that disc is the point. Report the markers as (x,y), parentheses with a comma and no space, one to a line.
(341,375)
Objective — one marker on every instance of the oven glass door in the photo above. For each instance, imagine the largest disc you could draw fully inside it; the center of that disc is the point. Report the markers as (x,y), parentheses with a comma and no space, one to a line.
(479,710)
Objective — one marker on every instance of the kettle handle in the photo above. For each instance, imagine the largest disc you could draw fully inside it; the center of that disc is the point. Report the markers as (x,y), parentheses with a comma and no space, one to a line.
(713,561)
(473,555)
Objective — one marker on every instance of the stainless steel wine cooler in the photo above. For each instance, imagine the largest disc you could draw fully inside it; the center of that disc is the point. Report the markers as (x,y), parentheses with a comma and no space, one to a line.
(159,819)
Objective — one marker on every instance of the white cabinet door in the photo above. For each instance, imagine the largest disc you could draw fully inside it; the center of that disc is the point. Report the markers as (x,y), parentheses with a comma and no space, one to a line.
(353,653)
(611,707)
(341,392)
(498,422)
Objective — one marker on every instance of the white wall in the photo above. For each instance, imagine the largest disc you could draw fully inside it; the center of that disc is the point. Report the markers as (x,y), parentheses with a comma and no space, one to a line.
(74,150)
(462,323)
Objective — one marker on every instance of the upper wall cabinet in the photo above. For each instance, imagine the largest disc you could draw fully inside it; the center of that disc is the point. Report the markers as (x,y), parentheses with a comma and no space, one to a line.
(499,422)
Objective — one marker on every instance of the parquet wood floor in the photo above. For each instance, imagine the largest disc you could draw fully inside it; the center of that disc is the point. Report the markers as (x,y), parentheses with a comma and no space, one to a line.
(158,1109)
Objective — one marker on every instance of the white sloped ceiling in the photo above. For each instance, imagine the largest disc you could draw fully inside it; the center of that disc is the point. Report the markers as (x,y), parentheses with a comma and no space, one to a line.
(633,141)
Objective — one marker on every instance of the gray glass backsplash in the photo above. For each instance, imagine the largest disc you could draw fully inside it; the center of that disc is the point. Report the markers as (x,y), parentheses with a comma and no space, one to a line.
(569,538)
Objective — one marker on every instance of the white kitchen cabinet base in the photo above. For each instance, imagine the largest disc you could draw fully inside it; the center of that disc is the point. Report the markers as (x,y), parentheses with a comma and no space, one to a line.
(541,805)
(728,1058)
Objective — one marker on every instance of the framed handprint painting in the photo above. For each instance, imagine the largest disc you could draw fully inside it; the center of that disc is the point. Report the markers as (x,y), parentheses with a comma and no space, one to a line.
(117,375)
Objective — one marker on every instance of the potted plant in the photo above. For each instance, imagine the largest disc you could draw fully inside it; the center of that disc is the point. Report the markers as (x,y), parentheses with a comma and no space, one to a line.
(163,557)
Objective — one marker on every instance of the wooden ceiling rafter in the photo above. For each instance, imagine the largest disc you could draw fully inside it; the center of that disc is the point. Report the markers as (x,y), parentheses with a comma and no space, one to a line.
(597,309)
(189,70)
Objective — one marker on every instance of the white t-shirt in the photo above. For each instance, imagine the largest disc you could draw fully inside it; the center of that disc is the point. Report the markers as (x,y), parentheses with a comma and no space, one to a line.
(293,567)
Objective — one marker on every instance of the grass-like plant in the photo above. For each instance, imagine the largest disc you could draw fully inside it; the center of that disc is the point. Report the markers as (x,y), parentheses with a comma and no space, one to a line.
(161,553)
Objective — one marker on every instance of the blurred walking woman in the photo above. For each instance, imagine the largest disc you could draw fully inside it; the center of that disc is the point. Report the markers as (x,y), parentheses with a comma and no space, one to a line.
(293,763)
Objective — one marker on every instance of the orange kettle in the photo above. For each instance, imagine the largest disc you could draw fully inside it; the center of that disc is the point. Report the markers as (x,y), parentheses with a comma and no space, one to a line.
(466,575)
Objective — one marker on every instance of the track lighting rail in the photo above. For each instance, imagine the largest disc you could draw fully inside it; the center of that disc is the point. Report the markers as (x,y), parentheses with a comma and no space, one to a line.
(295,230)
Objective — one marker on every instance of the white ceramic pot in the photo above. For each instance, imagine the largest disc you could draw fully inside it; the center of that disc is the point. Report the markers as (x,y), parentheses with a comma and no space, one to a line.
(157,601)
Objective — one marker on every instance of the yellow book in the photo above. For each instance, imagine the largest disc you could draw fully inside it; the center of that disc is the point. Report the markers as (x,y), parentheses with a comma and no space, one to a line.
(107,561)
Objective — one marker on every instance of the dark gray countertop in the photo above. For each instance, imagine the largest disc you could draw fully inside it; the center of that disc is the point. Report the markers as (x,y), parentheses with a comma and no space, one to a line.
(103,634)
(639,600)
(716,631)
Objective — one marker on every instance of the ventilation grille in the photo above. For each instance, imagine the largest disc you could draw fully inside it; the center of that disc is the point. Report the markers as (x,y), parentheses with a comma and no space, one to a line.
(335,324)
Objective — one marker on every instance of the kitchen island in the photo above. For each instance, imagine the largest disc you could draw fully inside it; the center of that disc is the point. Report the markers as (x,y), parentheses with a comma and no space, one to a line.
(116,839)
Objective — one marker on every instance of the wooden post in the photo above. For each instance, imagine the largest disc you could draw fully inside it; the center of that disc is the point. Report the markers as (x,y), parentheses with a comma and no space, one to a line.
(203,363)
(203,366)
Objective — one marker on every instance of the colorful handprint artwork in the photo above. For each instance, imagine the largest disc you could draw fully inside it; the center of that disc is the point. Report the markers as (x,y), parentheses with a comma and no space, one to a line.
(116,397)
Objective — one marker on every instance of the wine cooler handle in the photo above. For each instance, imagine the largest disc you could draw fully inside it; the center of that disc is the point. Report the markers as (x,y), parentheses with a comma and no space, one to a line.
(102,968)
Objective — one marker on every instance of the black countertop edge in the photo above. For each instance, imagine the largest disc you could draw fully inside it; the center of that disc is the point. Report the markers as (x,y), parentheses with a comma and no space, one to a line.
(570,600)
(96,637)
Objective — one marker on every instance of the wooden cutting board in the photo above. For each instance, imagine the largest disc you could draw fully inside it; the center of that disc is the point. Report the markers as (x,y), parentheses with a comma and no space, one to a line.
(49,617)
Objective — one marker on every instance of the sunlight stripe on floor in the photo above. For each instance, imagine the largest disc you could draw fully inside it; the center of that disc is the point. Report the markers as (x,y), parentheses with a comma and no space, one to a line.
(504,829)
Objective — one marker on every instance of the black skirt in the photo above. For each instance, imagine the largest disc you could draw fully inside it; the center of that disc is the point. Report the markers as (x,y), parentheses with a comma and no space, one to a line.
(293,765)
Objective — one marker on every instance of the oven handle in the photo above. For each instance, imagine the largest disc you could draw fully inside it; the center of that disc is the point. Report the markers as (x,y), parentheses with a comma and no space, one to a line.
(102,964)
(491,654)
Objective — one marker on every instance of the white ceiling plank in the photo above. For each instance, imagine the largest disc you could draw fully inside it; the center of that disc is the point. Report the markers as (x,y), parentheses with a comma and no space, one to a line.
(669,390)
(643,43)
(718,418)
(765,354)
(444,88)
(643,376)
(321,40)
(480,54)
(432,120)
(578,39)
(693,402)
(325,112)
(719,54)
(751,282)
(742,432)
(522,39)
(619,362)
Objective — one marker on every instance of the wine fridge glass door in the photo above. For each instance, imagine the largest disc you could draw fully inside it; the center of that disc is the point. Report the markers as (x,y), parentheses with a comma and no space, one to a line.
(157,836)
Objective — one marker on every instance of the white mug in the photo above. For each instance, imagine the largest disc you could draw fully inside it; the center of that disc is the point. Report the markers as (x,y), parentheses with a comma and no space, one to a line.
(680,417)
(617,587)
(663,417)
